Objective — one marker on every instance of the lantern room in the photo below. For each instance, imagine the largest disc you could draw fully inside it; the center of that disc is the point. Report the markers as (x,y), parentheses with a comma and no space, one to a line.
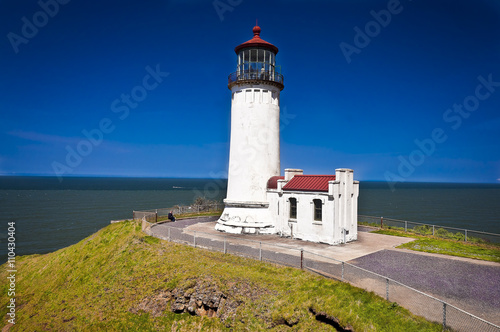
(256,62)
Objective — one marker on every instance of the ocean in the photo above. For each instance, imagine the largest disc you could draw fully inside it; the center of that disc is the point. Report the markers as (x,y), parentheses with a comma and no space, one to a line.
(50,214)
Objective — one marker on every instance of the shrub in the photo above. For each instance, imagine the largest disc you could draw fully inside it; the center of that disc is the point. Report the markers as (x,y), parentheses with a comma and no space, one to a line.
(424,229)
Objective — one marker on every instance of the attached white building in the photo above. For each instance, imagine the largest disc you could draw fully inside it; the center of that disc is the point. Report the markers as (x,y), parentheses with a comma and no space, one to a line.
(319,208)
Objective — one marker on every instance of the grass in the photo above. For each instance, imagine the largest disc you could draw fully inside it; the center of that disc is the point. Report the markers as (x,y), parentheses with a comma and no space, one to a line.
(447,244)
(95,284)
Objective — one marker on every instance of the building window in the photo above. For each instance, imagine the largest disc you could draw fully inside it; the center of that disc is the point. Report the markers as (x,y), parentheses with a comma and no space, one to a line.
(293,208)
(318,213)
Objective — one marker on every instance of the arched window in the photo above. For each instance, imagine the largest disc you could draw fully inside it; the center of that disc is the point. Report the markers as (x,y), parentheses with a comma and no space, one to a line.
(318,207)
(293,208)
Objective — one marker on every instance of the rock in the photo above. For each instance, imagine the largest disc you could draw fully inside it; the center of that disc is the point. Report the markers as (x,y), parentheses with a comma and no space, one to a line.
(177,307)
(200,311)
(201,298)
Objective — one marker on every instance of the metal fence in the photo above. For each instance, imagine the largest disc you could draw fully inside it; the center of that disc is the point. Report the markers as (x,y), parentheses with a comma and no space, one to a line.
(155,215)
(460,234)
(417,302)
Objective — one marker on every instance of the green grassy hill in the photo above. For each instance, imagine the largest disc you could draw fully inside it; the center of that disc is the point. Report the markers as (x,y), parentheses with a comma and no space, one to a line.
(119,279)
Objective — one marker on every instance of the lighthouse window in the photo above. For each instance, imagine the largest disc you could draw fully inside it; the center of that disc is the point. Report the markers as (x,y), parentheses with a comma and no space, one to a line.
(318,206)
(249,96)
(257,96)
(265,96)
(293,208)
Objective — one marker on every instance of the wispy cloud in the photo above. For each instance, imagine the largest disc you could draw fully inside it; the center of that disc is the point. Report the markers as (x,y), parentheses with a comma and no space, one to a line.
(43,138)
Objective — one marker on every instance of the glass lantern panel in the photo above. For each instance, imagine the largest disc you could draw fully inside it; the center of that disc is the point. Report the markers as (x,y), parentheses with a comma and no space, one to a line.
(253,55)
(260,56)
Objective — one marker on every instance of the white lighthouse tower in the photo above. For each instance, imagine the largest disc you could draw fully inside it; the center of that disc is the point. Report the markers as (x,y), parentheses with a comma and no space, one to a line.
(254,147)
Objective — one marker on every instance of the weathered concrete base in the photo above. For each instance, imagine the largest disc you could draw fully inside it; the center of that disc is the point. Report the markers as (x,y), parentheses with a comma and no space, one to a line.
(323,238)
(244,220)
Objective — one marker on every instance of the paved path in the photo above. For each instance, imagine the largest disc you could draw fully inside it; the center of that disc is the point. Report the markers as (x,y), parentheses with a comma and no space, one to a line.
(473,286)
(469,284)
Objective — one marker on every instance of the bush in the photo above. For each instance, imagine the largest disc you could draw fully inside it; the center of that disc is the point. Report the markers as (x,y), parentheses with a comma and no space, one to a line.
(441,232)
(424,229)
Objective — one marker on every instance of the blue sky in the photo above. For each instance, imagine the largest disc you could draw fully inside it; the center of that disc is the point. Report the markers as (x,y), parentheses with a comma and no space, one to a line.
(414,96)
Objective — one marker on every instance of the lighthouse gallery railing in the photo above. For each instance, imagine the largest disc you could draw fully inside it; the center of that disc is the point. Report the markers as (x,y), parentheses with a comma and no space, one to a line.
(255,75)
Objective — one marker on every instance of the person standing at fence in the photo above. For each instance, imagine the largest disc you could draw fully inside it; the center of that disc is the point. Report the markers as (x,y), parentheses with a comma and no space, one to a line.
(171,216)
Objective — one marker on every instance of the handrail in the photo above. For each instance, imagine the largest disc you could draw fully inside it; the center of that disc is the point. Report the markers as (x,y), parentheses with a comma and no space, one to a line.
(248,75)
(425,224)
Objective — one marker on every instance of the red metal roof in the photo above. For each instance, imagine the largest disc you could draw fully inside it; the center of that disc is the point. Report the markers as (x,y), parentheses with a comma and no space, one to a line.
(256,41)
(309,183)
(272,183)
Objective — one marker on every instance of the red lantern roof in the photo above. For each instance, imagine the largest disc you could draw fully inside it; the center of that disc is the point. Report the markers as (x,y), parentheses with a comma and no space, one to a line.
(256,41)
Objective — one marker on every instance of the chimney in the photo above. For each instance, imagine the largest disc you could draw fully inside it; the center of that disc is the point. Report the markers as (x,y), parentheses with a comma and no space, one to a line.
(291,172)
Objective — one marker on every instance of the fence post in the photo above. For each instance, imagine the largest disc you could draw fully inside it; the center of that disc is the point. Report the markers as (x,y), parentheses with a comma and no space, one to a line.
(387,289)
(444,315)
(225,250)
(194,239)
(406,226)
(260,251)
(432,230)
(381,222)
(342,271)
(156,216)
(301,259)
(465,235)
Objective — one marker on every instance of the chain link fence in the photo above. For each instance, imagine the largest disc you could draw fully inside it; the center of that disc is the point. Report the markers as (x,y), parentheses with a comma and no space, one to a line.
(156,215)
(445,232)
(419,303)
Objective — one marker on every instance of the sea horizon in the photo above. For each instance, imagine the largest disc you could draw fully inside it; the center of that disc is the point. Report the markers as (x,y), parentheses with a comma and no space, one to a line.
(69,176)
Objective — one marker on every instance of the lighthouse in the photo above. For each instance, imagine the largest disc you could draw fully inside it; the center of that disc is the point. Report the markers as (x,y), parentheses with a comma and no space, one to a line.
(318,208)
(254,155)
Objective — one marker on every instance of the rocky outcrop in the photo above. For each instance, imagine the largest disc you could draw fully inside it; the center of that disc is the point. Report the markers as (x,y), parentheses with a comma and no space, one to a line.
(201,299)
(205,298)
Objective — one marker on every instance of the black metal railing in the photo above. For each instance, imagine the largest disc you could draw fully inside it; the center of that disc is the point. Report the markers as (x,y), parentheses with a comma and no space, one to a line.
(255,76)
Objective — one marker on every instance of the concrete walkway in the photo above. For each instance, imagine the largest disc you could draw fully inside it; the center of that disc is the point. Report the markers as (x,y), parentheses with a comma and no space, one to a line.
(469,284)
(367,243)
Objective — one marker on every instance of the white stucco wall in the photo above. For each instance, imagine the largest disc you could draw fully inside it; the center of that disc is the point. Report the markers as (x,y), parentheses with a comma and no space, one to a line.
(254,154)
(254,157)
(339,211)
